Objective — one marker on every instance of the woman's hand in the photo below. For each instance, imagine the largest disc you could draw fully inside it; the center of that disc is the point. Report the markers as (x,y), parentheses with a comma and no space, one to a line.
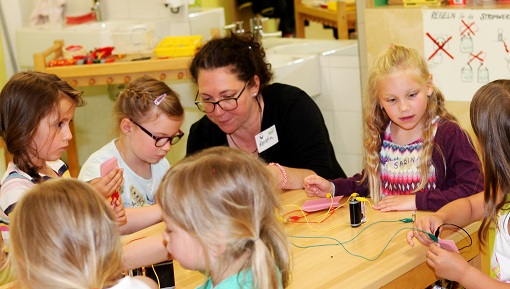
(396,203)
(446,264)
(108,184)
(429,224)
(316,186)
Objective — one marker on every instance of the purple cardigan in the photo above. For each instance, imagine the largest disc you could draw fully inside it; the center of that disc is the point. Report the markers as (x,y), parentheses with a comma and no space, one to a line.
(462,176)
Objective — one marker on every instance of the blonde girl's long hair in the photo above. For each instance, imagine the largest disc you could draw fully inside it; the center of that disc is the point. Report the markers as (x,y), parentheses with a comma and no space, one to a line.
(63,235)
(222,195)
(490,119)
(398,58)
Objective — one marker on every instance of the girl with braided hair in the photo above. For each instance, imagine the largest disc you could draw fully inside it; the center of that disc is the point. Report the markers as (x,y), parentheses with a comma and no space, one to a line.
(148,117)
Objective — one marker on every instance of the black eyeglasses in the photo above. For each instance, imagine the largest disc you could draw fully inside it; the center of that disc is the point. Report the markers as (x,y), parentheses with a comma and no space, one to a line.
(161,141)
(225,104)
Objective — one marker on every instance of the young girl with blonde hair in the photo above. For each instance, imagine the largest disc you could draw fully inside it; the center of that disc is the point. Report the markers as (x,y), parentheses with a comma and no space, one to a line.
(219,207)
(416,154)
(148,116)
(63,235)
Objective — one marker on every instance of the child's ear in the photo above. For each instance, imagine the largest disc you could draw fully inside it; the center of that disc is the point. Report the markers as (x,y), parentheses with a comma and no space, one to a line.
(218,249)
(125,126)
(430,80)
(430,84)
(430,91)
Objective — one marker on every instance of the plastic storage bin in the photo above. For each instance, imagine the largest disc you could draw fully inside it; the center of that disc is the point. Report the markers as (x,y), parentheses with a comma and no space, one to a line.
(176,46)
(134,39)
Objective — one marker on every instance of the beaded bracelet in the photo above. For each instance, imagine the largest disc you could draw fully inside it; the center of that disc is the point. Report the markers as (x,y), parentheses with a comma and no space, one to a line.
(284,173)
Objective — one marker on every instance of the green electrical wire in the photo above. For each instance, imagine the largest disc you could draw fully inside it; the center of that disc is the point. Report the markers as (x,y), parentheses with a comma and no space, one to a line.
(337,242)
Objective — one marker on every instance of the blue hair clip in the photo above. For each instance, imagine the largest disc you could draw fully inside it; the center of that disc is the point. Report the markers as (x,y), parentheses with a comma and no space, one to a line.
(159,99)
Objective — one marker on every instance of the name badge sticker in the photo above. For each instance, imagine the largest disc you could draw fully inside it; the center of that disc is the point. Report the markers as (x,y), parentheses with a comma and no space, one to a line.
(266,139)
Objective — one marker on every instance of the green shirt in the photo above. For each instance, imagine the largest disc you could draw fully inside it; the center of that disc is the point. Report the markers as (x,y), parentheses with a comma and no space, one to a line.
(242,280)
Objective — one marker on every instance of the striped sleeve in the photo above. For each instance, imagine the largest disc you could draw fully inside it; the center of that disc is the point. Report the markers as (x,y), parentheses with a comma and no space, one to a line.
(14,186)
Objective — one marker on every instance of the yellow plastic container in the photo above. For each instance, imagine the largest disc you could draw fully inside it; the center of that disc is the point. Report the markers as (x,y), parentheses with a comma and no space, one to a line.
(176,46)
(417,3)
(350,5)
(333,5)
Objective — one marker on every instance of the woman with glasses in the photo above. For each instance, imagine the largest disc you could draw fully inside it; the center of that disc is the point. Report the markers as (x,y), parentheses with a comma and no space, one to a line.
(148,115)
(279,123)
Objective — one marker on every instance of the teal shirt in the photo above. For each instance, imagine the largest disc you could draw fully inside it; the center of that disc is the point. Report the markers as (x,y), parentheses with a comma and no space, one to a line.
(233,282)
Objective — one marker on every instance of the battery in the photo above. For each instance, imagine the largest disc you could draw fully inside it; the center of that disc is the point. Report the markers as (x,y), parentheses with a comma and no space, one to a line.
(357,212)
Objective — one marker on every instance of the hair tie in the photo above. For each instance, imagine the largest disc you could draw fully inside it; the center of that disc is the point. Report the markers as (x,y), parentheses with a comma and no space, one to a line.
(159,99)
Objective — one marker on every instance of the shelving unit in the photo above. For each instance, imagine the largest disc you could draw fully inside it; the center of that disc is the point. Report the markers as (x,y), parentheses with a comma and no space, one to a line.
(122,71)
(343,19)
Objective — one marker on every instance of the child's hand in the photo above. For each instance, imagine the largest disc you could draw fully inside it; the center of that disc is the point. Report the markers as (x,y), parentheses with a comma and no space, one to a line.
(316,186)
(428,223)
(109,183)
(396,203)
(119,211)
(446,264)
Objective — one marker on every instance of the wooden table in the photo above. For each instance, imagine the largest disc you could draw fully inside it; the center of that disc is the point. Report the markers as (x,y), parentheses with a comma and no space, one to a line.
(399,265)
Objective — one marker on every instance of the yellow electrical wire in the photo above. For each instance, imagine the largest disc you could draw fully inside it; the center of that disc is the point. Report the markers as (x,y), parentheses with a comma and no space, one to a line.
(325,215)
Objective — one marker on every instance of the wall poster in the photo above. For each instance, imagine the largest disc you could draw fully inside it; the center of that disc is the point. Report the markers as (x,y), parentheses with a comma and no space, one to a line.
(466,49)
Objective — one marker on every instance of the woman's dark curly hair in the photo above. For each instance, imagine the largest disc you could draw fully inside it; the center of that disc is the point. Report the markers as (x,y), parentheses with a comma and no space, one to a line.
(241,53)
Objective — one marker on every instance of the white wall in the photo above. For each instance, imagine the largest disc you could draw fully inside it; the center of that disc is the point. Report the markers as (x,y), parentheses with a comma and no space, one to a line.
(340,103)
(13,17)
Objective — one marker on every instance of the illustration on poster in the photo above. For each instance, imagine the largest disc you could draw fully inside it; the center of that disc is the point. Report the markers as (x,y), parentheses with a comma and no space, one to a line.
(466,50)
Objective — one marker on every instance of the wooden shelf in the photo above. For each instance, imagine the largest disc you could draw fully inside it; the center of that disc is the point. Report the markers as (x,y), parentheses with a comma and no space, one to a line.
(343,19)
(122,71)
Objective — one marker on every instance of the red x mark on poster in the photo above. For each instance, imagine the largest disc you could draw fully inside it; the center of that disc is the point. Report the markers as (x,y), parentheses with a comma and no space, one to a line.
(478,56)
(439,46)
(468,28)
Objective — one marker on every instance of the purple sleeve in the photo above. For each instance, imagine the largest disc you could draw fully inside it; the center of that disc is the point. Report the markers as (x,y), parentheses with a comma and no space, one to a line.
(345,187)
(457,166)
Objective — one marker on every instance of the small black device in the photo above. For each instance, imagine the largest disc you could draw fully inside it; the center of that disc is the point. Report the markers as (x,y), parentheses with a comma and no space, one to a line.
(356,211)
(162,273)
